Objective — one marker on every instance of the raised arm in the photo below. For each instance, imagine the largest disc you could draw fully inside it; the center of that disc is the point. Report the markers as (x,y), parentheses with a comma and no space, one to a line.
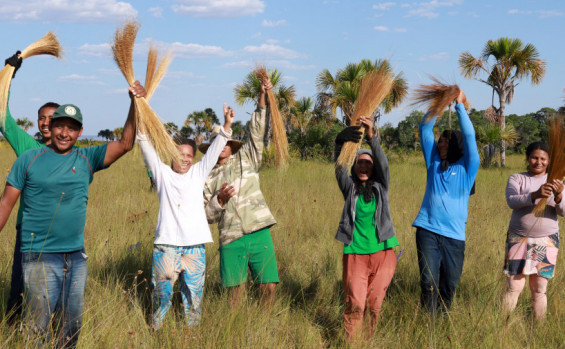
(209,160)
(118,148)
(470,152)
(427,141)
(348,134)
(9,198)
(380,164)
(253,148)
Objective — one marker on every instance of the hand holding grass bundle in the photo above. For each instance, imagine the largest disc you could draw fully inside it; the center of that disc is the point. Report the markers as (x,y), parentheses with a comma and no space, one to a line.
(556,168)
(280,140)
(122,48)
(47,45)
(437,97)
(375,86)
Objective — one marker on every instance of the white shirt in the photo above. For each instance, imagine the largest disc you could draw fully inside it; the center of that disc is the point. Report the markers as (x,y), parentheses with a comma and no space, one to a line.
(182,220)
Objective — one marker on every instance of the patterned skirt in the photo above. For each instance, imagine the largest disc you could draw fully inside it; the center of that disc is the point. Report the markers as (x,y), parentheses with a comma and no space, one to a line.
(526,255)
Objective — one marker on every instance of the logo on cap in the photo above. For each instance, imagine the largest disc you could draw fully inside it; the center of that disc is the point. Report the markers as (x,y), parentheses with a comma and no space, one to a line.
(70,110)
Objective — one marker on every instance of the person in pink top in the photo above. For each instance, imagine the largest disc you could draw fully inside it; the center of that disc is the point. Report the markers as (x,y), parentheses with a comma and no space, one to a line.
(532,242)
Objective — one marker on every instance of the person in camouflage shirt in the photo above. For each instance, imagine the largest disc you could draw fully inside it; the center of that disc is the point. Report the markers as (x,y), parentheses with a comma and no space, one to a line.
(233,199)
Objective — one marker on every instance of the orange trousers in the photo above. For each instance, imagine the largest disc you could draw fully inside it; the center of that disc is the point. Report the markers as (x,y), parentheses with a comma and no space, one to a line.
(366,278)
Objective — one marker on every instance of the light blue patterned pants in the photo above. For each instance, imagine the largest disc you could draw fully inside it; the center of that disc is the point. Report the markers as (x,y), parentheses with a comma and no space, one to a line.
(170,262)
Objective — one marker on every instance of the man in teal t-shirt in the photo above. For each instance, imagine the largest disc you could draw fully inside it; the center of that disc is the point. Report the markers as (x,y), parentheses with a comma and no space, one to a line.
(54,182)
(21,141)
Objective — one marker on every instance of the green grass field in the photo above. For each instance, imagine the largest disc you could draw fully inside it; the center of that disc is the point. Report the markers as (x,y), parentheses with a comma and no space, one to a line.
(305,200)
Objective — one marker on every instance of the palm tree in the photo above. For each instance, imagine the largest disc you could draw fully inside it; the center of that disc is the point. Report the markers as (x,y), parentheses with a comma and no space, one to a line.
(512,61)
(341,91)
(302,114)
(250,89)
(24,124)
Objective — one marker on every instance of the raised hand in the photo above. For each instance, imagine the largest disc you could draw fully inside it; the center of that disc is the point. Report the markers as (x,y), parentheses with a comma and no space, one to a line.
(367,123)
(229,116)
(15,61)
(461,98)
(349,134)
(137,90)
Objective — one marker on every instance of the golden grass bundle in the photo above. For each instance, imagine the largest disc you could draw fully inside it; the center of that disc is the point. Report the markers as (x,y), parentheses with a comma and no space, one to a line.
(146,119)
(438,96)
(375,86)
(155,72)
(47,45)
(556,168)
(280,140)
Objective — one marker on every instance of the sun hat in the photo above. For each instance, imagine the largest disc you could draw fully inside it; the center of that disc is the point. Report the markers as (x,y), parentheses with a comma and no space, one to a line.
(235,144)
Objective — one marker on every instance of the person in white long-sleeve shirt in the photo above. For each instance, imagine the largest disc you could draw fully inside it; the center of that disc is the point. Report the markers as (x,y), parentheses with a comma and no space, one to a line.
(182,228)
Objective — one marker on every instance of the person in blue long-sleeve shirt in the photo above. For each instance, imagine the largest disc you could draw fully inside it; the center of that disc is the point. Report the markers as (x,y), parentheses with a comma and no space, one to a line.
(451,166)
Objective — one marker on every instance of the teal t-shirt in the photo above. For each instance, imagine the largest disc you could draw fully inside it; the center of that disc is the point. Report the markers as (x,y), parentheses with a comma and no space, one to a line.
(55,194)
(20,141)
(365,234)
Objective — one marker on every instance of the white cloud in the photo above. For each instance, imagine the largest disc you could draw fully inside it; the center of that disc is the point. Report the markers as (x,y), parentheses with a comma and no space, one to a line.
(95,50)
(256,35)
(156,12)
(195,50)
(66,11)
(181,74)
(81,79)
(539,13)
(272,41)
(284,64)
(429,9)
(271,50)
(383,6)
(440,56)
(219,8)
(267,23)
(382,28)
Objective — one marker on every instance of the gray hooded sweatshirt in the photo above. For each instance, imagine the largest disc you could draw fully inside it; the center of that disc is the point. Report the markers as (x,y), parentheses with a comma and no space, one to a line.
(381,180)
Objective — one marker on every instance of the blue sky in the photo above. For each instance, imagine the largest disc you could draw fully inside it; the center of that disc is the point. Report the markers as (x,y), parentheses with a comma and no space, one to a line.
(217,42)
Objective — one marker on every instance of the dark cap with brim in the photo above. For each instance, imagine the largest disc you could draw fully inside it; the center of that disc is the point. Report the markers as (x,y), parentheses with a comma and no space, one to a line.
(68,111)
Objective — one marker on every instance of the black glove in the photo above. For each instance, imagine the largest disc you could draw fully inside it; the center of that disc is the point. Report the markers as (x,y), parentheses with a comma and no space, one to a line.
(15,62)
(349,134)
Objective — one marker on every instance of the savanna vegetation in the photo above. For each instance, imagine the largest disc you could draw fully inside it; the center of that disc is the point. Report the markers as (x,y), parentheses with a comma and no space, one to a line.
(122,212)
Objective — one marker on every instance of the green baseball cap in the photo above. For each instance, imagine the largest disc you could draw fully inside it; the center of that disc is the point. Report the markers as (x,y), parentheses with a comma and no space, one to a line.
(68,111)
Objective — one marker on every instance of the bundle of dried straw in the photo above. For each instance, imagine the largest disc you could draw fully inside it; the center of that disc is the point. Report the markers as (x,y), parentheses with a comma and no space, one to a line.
(155,72)
(280,140)
(437,95)
(47,45)
(375,86)
(556,168)
(146,119)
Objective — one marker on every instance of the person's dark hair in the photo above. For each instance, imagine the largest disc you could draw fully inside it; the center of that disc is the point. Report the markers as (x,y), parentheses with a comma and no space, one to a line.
(47,105)
(455,149)
(185,141)
(536,146)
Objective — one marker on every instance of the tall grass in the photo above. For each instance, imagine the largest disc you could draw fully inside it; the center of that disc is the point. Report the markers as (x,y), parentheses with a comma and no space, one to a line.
(308,313)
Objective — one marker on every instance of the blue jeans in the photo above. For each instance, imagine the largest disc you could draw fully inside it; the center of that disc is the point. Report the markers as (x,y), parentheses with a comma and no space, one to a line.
(14,307)
(54,287)
(441,262)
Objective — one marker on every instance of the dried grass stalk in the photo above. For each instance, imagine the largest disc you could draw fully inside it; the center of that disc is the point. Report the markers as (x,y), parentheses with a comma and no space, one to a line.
(47,45)
(437,97)
(122,47)
(375,86)
(155,72)
(556,168)
(280,140)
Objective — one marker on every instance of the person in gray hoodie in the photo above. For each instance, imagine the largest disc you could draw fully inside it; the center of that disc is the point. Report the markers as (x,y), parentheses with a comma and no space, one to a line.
(365,228)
